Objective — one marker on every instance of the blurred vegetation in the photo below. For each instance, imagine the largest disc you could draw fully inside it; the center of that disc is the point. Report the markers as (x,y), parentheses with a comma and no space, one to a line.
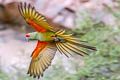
(103,64)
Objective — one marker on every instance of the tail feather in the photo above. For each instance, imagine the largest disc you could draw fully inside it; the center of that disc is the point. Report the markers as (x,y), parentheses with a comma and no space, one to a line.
(77,48)
(88,47)
(61,50)
(71,45)
(66,49)
(73,49)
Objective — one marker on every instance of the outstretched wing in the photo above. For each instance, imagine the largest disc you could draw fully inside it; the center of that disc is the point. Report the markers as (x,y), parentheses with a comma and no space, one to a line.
(42,60)
(34,18)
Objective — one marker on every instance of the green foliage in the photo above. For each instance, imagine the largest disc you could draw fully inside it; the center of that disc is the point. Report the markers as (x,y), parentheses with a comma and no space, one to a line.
(105,62)
(3,76)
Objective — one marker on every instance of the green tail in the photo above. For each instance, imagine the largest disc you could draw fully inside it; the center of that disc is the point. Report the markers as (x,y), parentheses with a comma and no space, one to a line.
(69,45)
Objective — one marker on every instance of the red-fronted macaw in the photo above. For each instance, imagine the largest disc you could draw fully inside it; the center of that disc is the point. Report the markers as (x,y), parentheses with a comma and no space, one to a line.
(48,41)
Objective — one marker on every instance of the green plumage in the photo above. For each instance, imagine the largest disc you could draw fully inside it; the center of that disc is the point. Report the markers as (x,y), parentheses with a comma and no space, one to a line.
(66,44)
(42,36)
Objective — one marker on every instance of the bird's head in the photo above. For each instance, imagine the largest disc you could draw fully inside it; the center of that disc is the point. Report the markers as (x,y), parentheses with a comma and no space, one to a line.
(31,36)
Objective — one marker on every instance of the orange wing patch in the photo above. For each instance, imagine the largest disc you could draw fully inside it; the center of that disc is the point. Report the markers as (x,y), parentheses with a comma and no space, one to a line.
(39,64)
(39,47)
(37,27)
(34,18)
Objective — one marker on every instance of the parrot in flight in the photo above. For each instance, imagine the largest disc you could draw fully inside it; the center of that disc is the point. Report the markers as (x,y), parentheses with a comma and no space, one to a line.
(48,41)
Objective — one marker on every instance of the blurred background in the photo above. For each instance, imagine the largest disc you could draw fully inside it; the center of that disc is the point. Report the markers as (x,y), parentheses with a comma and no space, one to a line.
(95,21)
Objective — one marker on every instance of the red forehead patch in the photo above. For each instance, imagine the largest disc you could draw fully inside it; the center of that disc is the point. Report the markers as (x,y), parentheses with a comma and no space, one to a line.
(27,35)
